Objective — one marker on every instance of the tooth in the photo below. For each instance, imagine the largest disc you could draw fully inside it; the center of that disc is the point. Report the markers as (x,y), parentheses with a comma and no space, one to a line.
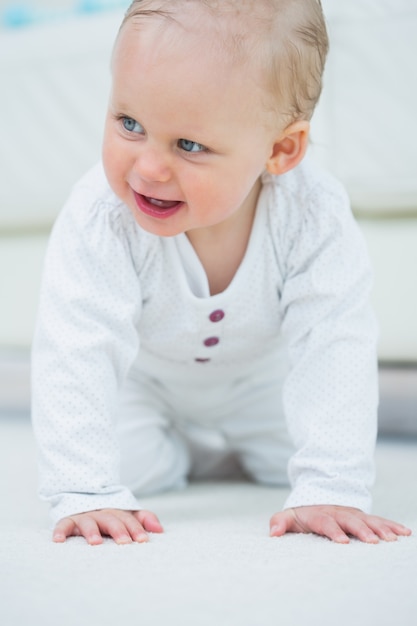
(160,203)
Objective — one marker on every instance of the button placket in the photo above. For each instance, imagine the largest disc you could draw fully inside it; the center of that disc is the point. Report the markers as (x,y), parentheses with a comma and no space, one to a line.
(214,317)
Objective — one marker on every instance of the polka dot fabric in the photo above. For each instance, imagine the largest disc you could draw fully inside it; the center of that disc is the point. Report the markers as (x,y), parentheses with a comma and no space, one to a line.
(115,298)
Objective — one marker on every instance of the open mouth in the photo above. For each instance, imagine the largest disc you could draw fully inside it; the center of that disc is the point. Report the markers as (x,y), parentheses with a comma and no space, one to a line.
(155,207)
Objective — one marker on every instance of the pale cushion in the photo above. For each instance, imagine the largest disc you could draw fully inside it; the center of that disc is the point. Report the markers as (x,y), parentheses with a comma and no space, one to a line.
(365,128)
(21,261)
(20,14)
(55,81)
(392,245)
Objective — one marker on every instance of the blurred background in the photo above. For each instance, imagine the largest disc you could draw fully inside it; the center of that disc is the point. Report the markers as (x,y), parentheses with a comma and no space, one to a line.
(54,77)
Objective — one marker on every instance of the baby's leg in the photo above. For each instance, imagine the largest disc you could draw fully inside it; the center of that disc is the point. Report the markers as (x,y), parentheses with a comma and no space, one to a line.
(154,456)
(264,457)
(210,455)
(257,430)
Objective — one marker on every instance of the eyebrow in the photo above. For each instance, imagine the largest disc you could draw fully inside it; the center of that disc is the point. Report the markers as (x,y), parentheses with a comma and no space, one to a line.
(121,106)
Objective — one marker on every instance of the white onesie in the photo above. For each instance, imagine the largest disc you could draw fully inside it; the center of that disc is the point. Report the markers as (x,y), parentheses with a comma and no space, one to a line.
(133,358)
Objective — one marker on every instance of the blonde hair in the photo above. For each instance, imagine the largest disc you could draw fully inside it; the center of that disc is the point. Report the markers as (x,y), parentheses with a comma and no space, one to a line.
(288,38)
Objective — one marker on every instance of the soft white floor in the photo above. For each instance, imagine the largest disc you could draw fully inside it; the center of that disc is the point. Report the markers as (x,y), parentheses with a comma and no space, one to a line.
(215,564)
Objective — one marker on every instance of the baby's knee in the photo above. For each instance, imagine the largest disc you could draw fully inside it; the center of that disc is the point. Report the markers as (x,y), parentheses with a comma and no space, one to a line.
(157,461)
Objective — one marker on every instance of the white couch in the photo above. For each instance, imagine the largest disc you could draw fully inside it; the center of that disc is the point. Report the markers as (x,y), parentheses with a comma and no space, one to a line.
(365,131)
(54,79)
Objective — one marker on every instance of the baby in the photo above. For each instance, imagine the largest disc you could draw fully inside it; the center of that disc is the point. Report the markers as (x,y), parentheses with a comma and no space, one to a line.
(204,307)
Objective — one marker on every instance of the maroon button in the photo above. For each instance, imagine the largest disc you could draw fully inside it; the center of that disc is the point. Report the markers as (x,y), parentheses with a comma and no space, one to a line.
(216,316)
(211,341)
(201,360)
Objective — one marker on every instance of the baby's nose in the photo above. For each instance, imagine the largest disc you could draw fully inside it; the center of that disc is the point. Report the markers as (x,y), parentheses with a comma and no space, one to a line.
(152,165)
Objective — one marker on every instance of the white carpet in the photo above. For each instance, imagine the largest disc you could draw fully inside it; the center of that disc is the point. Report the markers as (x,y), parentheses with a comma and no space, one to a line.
(214,565)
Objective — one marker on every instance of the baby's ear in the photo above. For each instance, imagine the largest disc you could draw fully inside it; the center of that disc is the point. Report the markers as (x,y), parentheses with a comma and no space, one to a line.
(289,149)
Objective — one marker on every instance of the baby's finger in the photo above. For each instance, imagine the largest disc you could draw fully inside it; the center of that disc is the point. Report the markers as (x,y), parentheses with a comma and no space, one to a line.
(325,525)
(401,530)
(63,529)
(135,529)
(283,522)
(114,526)
(386,529)
(149,521)
(88,528)
(398,529)
(358,528)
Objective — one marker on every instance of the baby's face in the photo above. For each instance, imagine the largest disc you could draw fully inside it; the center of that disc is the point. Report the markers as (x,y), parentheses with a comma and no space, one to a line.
(187,137)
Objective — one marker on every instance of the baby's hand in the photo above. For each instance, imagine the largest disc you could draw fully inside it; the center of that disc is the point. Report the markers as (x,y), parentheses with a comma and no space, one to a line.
(336,523)
(123,526)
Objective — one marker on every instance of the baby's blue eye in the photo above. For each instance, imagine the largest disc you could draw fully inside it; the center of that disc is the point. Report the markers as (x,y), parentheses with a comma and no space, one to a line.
(132,126)
(191,146)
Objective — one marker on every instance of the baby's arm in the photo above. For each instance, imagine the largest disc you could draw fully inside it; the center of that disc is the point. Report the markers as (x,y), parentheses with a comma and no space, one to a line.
(84,345)
(122,526)
(330,396)
(336,523)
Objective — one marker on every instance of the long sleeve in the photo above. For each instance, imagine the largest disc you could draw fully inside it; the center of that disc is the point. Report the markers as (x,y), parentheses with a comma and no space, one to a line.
(330,395)
(84,343)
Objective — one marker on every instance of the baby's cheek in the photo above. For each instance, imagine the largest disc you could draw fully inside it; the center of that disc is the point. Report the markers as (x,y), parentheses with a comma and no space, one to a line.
(113,173)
